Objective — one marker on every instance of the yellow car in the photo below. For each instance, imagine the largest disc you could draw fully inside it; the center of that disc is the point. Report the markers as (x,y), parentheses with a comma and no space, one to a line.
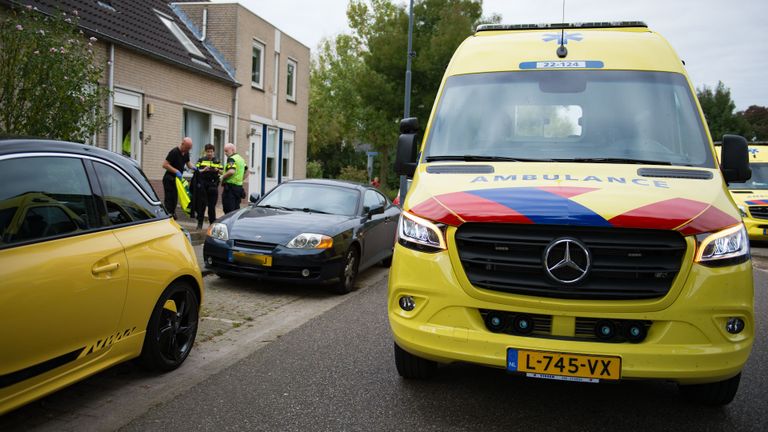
(752,196)
(568,219)
(94,271)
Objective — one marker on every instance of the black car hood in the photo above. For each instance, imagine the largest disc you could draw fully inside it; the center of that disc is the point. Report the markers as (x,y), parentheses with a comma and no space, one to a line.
(278,226)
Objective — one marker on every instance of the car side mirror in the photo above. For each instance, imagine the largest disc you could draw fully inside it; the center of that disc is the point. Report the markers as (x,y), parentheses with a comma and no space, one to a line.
(254,198)
(407,146)
(370,212)
(734,159)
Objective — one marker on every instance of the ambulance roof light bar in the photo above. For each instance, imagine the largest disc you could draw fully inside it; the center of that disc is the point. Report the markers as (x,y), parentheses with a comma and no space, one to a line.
(558,26)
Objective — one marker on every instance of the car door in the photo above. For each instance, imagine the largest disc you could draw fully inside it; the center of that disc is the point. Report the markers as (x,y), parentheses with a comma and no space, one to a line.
(64,277)
(376,226)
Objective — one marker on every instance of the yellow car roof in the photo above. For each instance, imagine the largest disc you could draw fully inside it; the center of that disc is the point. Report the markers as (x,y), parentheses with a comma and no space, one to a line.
(617,46)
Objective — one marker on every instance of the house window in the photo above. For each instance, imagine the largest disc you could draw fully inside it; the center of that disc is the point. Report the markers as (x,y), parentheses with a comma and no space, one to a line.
(181,36)
(257,65)
(291,84)
(287,160)
(271,153)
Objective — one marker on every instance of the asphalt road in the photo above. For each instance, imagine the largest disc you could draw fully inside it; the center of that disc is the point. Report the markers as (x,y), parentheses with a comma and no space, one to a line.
(337,373)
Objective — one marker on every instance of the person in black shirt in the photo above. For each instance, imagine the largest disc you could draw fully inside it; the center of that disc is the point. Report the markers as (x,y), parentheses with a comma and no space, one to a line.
(174,164)
(206,190)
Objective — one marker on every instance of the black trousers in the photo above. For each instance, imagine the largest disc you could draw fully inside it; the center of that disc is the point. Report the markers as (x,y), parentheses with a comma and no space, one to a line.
(231,197)
(211,198)
(171,195)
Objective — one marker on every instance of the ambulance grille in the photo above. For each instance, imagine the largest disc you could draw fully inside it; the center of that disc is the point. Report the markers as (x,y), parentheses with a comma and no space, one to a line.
(627,264)
(759,212)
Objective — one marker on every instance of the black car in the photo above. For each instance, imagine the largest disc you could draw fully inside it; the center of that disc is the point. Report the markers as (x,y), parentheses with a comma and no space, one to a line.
(315,231)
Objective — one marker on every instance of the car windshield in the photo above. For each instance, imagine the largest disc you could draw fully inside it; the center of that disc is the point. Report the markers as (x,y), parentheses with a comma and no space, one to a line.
(313,198)
(759,178)
(579,116)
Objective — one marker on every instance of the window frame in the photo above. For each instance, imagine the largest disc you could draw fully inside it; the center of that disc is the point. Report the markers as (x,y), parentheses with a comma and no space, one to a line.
(256,44)
(290,91)
(182,37)
(289,156)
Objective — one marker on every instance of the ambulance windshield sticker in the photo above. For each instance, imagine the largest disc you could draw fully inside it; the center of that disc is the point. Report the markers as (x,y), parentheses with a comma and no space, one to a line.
(562,64)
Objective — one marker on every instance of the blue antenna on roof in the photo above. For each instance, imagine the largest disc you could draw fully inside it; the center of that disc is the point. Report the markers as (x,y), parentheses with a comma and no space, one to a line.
(562,51)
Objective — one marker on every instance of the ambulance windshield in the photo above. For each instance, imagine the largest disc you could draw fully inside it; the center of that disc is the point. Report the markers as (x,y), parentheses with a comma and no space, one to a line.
(759,178)
(570,115)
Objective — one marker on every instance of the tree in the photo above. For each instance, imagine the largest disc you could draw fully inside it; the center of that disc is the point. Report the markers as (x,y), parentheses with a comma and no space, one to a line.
(757,117)
(365,71)
(718,109)
(49,81)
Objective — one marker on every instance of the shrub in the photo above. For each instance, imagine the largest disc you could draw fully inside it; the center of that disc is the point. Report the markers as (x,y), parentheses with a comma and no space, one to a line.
(49,80)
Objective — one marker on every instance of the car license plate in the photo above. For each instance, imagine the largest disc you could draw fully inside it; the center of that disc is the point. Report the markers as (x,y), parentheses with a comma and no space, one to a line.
(249,258)
(564,366)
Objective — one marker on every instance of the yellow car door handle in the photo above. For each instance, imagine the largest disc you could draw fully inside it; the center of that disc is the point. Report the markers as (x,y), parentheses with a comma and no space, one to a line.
(105,268)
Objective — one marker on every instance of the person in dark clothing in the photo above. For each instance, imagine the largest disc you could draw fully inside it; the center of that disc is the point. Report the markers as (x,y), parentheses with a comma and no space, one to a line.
(206,185)
(173,165)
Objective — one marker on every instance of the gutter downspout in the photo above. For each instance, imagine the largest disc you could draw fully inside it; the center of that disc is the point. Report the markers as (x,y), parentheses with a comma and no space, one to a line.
(205,24)
(235,107)
(111,99)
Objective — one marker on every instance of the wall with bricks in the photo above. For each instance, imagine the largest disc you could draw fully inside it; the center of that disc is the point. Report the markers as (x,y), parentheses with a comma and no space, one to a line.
(169,89)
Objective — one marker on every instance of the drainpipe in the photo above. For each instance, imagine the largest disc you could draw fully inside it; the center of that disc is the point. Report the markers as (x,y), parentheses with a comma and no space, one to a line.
(111,99)
(205,23)
(233,133)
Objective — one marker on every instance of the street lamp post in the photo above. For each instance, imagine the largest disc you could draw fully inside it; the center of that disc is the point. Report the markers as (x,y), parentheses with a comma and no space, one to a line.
(407,108)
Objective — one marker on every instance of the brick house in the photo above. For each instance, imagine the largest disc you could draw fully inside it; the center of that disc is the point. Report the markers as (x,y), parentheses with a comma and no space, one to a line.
(169,80)
(273,102)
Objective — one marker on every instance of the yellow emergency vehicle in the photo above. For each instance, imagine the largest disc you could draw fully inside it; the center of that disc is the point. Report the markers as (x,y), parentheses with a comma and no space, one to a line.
(568,219)
(752,196)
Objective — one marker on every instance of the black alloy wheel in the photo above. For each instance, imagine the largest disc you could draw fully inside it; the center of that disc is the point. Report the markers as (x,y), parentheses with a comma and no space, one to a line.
(349,271)
(172,329)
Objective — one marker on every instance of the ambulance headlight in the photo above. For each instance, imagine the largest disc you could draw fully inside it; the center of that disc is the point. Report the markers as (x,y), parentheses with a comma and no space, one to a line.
(420,234)
(218,231)
(727,247)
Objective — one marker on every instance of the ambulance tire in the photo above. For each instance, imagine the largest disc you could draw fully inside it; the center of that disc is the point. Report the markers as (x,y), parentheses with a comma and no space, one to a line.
(410,366)
(713,394)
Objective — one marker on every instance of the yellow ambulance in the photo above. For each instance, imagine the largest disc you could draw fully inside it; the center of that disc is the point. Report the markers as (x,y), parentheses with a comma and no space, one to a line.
(568,219)
(752,196)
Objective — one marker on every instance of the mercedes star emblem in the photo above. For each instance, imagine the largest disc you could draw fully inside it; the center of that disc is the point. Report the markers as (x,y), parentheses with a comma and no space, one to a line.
(567,260)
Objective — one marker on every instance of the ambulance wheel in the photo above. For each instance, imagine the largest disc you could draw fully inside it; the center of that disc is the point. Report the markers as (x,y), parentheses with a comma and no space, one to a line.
(714,394)
(410,366)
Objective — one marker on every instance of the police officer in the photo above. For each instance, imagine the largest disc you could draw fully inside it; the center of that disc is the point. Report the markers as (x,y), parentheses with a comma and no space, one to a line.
(233,179)
(174,165)
(209,168)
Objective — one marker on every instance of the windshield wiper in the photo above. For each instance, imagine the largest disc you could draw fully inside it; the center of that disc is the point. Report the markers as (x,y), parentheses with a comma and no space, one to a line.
(616,160)
(276,207)
(480,158)
(311,210)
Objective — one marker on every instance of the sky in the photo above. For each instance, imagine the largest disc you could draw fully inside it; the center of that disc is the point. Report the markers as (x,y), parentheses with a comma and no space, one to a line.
(719,40)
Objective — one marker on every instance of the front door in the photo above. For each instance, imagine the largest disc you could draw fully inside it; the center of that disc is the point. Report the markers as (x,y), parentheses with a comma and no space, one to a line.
(254,160)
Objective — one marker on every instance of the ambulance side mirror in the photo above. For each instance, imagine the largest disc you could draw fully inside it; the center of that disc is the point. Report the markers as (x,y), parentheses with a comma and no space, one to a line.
(407,146)
(734,159)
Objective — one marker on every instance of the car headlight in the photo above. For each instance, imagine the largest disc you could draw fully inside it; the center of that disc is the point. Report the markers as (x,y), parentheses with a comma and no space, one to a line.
(743,211)
(310,241)
(726,247)
(218,231)
(420,234)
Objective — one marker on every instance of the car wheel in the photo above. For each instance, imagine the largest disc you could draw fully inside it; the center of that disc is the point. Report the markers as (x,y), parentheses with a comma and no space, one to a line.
(348,272)
(714,394)
(410,366)
(171,330)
